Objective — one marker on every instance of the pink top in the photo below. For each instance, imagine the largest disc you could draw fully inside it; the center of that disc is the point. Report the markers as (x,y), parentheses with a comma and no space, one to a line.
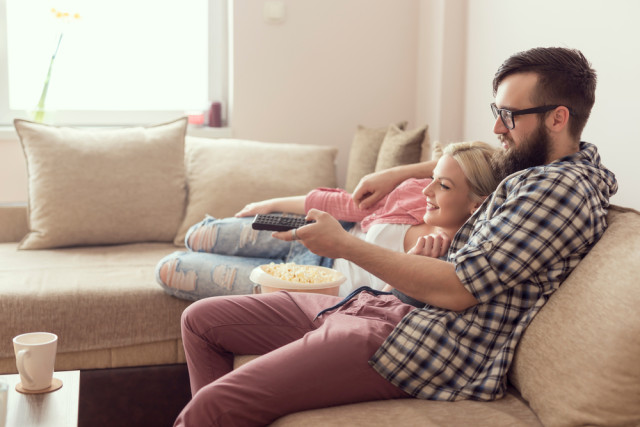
(404,205)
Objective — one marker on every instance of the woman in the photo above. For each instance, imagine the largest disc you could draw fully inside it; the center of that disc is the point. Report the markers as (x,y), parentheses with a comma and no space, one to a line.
(223,252)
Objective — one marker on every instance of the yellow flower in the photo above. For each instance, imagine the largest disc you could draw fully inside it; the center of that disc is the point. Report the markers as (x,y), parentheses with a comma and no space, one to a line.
(60,14)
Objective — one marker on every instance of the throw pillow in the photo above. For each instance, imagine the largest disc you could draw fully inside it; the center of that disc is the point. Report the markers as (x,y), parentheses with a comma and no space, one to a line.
(438,151)
(577,362)
(97,187)
(224,175)
(363,153)
(402,147)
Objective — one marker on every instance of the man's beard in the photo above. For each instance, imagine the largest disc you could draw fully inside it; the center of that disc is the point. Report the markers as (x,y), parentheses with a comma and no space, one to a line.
(532,151)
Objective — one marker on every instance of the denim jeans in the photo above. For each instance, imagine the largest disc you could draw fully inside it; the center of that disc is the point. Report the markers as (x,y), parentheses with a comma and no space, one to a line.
(221,254)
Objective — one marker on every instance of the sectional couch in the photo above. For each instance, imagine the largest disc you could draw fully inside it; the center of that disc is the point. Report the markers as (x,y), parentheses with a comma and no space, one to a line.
(105,206)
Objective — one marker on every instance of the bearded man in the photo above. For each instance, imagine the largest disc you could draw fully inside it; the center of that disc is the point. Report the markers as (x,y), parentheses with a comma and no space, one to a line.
(501,268)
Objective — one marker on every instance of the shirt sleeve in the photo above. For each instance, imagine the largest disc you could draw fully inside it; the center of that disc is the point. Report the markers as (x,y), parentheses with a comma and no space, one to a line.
(338,203)
(540,222)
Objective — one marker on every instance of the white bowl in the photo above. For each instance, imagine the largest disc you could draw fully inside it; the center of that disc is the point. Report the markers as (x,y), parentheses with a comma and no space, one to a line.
(270,283)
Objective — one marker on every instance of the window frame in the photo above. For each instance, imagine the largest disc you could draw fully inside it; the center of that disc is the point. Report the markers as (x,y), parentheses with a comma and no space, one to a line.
(220,26)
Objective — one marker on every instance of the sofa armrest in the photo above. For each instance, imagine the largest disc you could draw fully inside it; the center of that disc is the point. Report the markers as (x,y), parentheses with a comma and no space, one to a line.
(13,222)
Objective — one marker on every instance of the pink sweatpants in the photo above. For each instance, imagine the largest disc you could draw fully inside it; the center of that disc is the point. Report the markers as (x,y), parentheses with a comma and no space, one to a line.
(310,363)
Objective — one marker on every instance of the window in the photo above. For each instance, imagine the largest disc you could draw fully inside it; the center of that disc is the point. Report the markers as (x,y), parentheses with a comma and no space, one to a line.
(118,62)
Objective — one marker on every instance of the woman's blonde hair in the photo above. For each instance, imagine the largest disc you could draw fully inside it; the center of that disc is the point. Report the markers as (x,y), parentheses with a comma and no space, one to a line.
(474,158)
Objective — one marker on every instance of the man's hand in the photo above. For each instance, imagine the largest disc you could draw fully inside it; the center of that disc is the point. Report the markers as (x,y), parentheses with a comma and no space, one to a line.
(325,237)
(433,245)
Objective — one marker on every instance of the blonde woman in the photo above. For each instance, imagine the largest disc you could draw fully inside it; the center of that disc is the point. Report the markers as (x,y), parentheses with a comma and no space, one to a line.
(420,216)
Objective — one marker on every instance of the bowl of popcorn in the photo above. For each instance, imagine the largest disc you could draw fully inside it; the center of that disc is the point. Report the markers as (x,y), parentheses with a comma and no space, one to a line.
(296,278)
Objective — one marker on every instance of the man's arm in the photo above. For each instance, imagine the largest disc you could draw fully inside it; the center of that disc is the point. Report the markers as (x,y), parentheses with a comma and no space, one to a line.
(426,279)
(376,185)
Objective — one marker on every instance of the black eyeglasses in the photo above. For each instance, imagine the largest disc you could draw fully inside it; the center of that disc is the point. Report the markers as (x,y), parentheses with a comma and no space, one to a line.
(507,115)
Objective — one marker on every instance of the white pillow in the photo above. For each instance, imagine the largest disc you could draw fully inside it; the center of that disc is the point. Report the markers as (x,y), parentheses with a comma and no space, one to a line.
(97,187)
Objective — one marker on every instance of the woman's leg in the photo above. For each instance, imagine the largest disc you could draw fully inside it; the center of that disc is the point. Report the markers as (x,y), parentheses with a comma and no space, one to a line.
(235,236)
(326,366)
(223,253)
(197,275)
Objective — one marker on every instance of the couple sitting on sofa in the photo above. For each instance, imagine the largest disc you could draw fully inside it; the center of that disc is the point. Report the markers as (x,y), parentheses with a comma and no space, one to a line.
(420,216)
(502,266)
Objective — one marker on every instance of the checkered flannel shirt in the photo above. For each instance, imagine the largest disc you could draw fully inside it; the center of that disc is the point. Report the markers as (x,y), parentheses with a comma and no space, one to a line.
(511,255)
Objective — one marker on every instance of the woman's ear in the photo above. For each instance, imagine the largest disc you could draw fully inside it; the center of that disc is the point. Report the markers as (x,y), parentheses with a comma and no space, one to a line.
(476,205)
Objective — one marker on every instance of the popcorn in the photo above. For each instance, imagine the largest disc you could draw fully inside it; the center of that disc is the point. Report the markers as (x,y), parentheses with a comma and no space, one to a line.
(307,274)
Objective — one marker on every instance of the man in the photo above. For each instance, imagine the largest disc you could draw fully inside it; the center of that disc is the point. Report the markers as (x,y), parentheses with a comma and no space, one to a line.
(502,266)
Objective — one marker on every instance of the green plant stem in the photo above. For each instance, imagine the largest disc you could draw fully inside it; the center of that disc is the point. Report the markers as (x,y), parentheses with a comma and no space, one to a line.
(39,113)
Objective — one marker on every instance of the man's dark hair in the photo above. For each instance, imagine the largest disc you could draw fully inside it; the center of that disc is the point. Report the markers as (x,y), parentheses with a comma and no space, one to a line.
(565,77)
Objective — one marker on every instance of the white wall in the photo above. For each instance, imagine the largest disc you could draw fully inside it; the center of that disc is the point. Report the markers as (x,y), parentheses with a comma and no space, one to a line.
(606,31)
(334,64)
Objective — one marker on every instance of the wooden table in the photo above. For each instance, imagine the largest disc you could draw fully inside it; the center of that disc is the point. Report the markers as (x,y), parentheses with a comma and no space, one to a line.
(57,408)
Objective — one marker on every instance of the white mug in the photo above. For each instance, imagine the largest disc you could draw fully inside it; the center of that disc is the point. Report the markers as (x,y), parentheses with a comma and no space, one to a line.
(4,395)
(35,358)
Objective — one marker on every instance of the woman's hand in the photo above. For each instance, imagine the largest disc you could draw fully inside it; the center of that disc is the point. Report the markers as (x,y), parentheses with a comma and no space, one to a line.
(433,245)
(253,209)
(372,188)
(293,204)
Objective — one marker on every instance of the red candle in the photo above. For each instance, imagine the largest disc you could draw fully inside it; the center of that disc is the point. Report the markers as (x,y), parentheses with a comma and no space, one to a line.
(215,115)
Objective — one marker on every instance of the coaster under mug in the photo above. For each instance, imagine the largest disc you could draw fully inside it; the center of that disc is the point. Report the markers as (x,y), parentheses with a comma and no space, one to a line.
(55,385)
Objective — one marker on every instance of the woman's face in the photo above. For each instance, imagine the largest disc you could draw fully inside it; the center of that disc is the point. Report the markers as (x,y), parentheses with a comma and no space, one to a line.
(448,203)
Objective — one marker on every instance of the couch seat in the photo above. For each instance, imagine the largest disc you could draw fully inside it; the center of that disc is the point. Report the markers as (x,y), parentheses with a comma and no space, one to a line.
(102,302)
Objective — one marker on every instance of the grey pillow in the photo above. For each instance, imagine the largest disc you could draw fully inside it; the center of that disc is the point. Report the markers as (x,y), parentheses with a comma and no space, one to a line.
(402,147)
(363,154)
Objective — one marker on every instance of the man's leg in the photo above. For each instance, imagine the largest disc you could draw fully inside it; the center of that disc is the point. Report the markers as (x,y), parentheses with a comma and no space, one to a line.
(328,366)
(216,329)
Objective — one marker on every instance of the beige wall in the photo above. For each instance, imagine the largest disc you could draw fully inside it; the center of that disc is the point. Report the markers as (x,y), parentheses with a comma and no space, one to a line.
(334,64)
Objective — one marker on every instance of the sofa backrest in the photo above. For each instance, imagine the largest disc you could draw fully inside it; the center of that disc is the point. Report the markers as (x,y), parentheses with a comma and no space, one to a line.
(13,222)
(578,362)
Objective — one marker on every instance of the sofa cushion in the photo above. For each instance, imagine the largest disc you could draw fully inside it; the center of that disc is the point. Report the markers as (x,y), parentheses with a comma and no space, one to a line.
(578,363)
(508,411)
(224,175)
(93,298)
(94,187)
(401,147)
(363,154)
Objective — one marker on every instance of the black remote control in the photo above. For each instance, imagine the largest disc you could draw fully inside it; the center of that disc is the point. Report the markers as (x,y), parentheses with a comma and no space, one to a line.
(277,222)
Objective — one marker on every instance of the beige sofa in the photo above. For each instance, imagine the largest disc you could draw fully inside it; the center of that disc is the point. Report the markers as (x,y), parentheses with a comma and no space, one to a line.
(578,363)
(89,276)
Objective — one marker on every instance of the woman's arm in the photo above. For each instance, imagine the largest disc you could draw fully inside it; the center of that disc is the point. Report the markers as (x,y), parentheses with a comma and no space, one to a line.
(376,185)
(293,204)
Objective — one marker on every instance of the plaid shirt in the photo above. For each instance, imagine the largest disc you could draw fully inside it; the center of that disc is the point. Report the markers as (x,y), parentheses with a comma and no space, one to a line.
(511,255)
